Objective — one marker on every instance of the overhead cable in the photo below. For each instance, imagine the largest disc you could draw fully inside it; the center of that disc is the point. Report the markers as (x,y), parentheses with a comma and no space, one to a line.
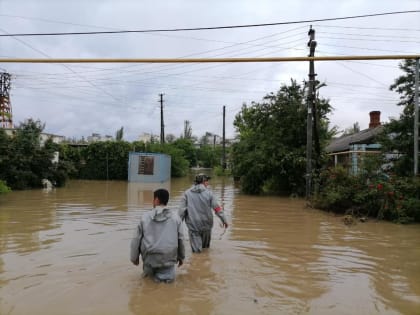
(209,28)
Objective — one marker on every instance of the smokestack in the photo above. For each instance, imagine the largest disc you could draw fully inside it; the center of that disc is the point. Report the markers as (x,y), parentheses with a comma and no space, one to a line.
(375,119)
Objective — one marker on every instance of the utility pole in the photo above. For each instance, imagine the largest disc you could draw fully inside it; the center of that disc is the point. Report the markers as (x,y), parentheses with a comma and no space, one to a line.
(416,120)
(162,126)
(224,139)
(310,103)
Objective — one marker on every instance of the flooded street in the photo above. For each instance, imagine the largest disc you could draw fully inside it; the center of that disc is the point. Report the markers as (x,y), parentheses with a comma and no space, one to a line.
(66,251)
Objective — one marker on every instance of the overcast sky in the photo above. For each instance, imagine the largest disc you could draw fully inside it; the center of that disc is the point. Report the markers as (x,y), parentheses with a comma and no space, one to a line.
(76,100)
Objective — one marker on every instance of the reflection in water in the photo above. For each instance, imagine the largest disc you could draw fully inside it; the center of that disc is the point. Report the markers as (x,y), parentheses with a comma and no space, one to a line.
(141,194)
(66,252)
(193,291)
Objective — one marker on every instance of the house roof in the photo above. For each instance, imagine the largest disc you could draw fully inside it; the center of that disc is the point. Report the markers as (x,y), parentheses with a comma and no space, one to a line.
(343,143)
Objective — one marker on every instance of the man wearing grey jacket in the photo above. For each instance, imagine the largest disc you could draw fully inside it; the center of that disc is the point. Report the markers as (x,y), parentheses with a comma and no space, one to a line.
(159,240)
(196,208)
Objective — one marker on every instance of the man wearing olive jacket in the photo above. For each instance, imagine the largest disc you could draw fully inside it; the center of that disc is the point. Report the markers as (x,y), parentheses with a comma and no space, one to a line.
(196,208)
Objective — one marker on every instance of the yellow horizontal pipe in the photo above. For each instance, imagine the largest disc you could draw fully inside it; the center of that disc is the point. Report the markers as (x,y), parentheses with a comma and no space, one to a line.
(203,60)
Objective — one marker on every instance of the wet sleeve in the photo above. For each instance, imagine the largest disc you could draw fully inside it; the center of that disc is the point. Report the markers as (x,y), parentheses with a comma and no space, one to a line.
(182,211)
(135,244)
(218,209)
(181,247)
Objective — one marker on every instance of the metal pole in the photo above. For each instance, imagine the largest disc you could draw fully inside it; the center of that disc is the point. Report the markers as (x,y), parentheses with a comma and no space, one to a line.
(162,128)
(310,99)
(416,119)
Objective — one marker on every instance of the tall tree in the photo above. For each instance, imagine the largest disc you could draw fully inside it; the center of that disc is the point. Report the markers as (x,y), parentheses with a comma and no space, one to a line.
(187,130)
(398,133)
(271,148)
(26,162)
(351,130)
(119,134)
(188,150)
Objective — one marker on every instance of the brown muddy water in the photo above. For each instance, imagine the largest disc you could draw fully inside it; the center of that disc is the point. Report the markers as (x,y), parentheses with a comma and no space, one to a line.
(66,251)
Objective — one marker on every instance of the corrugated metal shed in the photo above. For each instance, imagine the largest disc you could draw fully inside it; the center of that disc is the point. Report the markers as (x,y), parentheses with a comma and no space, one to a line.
(149,167)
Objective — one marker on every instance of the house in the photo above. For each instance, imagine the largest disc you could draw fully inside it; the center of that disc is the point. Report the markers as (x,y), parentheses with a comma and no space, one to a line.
(349,150)
(95,137)
(43,137)
(148,137)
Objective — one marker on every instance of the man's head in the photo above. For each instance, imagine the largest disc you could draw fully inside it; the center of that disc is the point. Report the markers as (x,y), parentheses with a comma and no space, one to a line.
(201,179)
(160,197)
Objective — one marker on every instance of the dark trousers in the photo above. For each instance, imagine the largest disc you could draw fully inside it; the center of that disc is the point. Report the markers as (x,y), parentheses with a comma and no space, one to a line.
(199,240)
(163,274)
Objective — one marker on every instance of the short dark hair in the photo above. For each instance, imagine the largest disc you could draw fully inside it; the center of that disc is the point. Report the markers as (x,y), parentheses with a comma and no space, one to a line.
(162,195)
(200,178)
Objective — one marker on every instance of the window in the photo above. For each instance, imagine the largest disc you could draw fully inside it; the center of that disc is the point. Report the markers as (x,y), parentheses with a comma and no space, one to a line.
(146,165)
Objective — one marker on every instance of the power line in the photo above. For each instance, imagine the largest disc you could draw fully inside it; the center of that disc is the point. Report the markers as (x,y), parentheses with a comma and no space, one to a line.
(209,28)
(64,65)
(368,28)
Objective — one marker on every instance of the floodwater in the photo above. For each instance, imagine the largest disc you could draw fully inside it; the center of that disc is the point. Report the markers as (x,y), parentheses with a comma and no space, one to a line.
(66,251)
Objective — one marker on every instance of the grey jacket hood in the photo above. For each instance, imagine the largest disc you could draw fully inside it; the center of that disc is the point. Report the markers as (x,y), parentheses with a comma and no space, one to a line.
(161,214)
(198,188)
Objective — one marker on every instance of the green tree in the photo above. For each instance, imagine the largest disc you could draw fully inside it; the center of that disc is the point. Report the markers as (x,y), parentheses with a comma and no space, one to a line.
(187,130)
(269,155)
(119,134)
(189,152)
(5,156)
(351,130)
(25,161)
(105,160)
(179,164)
(169,138)
(398,134)
(139,146)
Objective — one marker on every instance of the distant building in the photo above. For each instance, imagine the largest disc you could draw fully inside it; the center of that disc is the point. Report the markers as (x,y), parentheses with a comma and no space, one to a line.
(96,137)
(43,137)
(55,138)
(148,137)
(349,150)
(212,139)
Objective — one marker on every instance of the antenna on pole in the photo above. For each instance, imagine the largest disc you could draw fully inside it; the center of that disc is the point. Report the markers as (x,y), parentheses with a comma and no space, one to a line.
(6,120)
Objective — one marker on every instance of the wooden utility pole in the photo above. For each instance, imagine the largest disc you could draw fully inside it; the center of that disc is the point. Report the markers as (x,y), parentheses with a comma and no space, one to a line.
(162,126)
(310,103)
(416,120)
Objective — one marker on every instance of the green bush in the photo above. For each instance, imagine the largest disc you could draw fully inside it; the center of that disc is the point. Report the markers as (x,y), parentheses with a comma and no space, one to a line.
(394,199)
(3,187)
